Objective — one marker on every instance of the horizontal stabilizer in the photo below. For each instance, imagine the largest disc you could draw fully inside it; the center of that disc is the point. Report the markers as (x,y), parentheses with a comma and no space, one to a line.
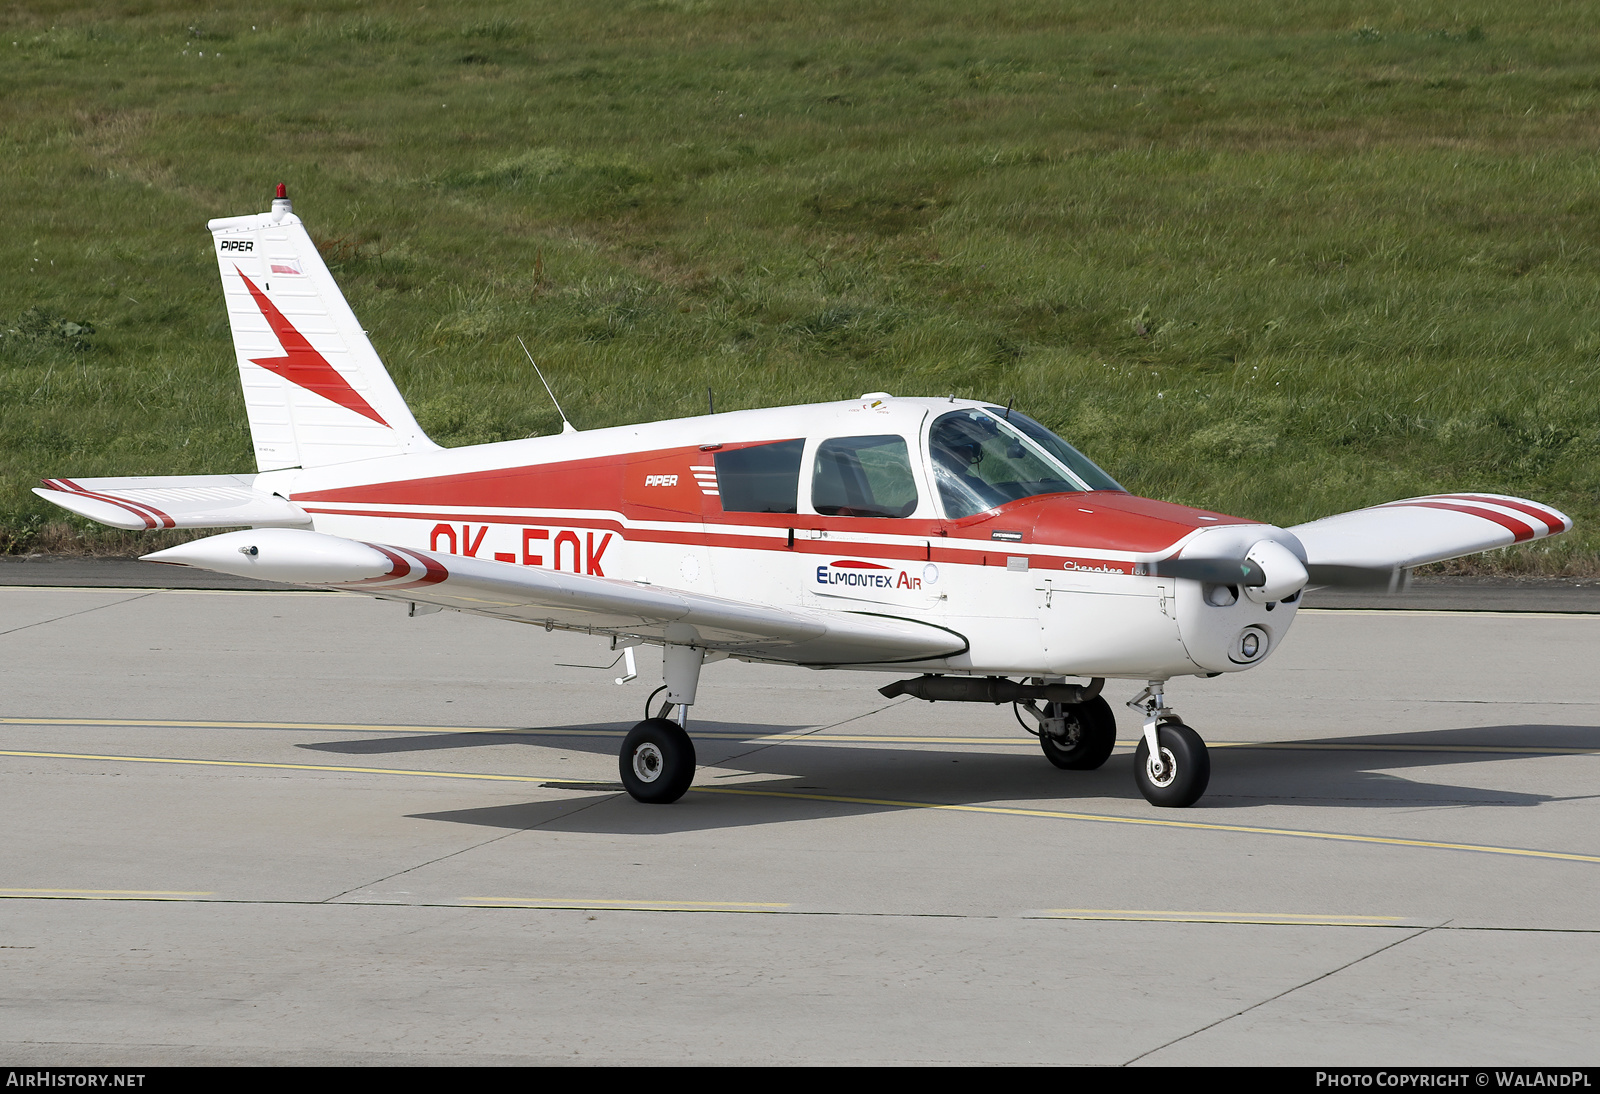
(174,501)
(1386,539)
(556,598)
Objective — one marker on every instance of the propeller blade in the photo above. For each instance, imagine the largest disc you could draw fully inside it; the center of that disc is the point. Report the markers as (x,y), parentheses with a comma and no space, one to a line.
(1212,571)
(1392,579)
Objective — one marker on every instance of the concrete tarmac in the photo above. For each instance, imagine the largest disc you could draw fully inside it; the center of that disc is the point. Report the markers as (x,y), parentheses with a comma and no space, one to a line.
(278,827)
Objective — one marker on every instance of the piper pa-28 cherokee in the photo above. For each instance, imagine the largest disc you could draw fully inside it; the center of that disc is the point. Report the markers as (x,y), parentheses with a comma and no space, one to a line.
(956,543)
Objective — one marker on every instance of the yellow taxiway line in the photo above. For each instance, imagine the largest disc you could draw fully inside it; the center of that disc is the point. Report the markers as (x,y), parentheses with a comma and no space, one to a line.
(99,894)
(796,737)
(843,799)
(624,905)
(753,907)
(1288,919)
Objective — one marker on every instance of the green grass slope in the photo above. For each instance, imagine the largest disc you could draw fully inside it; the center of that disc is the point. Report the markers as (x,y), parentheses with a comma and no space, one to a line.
(1277,259)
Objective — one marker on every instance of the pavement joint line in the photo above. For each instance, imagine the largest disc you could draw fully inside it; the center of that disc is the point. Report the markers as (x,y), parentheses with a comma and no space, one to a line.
(470,847)
(1281,994)
(71,615)
(1271,915)
(672,907)
(796,737)
(1248,918)
(841,799)
(814,734)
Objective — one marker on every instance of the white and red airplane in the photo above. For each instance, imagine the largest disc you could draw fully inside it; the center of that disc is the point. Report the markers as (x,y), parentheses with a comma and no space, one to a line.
(956,543)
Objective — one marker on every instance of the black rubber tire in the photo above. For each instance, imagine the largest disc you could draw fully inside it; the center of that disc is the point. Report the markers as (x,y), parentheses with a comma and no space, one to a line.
(1092,734)
(657,761)
(1190,760)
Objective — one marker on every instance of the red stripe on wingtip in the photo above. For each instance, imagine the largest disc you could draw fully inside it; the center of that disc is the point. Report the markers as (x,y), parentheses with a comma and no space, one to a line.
(435,569)
(142,508)
(398,567)
(152,517)
(1549,517)
(1521,532)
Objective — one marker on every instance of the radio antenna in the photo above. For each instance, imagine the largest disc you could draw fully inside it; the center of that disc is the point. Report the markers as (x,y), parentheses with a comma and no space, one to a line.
(566,426)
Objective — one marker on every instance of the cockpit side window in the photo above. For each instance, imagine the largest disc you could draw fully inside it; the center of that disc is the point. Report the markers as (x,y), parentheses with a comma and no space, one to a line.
(863,477)
(980,463)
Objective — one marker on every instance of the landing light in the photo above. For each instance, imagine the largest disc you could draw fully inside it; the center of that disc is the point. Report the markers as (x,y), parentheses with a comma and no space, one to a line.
(1250,646)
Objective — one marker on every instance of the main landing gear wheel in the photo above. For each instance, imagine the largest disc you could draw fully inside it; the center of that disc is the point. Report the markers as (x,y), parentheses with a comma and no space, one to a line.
(1089,733)
(657,761)
(1183,771)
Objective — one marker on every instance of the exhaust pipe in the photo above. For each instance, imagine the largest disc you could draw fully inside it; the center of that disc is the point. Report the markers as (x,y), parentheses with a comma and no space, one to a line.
(990,689)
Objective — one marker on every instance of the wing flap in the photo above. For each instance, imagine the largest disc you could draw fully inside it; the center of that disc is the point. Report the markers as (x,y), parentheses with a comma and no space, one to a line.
(556,598)
(174,501)
(1401,534)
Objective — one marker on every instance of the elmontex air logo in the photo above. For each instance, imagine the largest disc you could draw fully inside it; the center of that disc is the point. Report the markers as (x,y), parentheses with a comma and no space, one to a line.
(855,574)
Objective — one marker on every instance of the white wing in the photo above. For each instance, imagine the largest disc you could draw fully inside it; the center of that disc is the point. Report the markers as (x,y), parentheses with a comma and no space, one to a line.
(174,501)
(555,598)
(1402,534)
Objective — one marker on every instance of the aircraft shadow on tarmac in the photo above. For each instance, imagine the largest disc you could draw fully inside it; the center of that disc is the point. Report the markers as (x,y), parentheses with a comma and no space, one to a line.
(1352,772)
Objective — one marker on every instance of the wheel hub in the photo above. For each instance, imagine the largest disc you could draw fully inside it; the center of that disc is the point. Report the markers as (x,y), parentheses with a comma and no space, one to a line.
(1163,770)
(648,762)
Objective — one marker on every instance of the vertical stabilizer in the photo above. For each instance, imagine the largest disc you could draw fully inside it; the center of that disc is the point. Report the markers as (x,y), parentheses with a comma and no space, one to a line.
(315,389)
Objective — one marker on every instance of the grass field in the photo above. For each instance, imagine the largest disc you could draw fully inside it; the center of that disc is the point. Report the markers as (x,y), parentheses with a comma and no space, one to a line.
(1280,259)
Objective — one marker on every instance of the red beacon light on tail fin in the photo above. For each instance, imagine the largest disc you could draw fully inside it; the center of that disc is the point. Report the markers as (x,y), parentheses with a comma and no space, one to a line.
(280,201)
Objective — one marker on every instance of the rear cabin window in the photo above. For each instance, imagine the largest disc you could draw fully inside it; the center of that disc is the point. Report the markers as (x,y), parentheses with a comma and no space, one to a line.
(764,478)
(863,477)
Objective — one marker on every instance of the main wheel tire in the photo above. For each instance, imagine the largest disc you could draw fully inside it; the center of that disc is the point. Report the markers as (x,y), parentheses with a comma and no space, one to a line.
(1185,767)
(657,761)
(1091,735)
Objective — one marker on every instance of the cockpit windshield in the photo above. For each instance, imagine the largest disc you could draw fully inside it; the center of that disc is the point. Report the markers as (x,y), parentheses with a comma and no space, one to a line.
(981,461)
(1076,462)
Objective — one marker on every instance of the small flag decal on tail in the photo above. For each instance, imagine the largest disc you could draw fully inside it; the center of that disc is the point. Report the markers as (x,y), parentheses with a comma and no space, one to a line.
(286,266)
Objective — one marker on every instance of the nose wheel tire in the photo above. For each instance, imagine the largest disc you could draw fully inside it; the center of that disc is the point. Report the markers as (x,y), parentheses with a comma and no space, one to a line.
(657,761)
(1182,772)
(1090,735)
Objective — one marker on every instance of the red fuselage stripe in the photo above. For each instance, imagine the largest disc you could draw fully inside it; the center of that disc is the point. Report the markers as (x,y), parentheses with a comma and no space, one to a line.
(930,551)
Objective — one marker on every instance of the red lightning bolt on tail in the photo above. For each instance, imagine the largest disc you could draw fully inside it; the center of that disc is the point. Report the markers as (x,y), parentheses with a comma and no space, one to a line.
(301,364)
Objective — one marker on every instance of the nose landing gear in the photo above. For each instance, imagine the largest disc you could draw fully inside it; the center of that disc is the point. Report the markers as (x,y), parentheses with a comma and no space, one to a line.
(1171,766)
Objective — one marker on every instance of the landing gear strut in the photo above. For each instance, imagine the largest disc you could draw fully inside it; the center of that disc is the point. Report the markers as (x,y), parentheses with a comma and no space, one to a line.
(657,761)
(1171,765)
